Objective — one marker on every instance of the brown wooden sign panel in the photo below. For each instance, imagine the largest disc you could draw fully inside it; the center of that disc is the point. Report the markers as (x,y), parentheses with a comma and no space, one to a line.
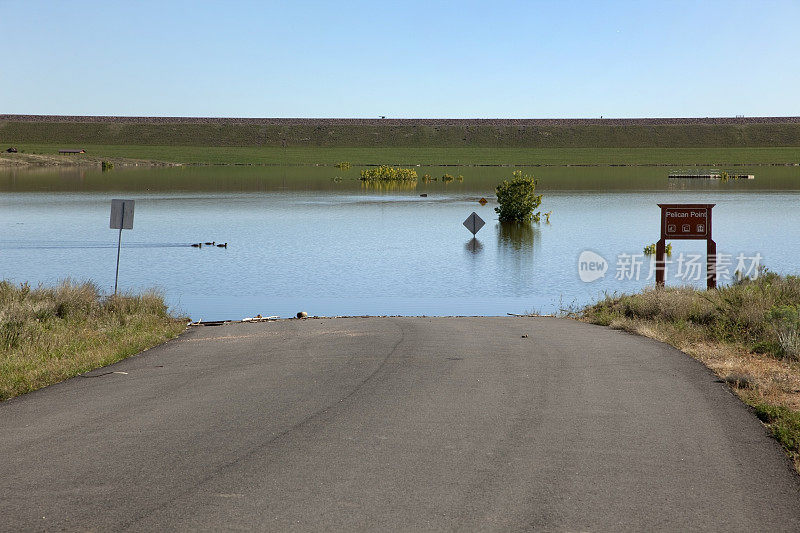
(686,221)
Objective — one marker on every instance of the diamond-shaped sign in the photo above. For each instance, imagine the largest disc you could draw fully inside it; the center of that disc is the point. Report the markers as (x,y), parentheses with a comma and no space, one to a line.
(474,223)
(483,201)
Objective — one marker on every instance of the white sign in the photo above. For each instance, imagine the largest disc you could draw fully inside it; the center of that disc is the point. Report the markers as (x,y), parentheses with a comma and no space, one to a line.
(121,214)
(474,223)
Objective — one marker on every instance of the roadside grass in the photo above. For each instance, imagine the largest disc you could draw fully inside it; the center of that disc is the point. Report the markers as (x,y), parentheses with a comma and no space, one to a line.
(746,333)
(407,156)
(50,334)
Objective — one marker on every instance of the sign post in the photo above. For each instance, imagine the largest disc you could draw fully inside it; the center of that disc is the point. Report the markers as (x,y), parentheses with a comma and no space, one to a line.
(121,218)
(686,221)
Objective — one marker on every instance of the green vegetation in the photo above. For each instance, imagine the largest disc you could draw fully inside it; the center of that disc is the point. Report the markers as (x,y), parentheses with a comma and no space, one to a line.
(387,173)
(747,332)
(784,423)
(384,134)
(785,319)
(425,156)
(50,334)
(424,142)
(650,249)
(517,199)
(343,165)
(107,165)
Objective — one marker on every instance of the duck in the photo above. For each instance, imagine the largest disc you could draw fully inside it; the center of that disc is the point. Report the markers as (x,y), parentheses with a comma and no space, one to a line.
(224,245)
(212,243)
(197,245)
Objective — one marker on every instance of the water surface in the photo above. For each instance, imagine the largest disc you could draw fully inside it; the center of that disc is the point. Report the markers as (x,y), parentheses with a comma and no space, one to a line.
(317,239)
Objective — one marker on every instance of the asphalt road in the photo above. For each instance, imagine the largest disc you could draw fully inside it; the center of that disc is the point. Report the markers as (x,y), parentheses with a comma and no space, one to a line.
(394,424)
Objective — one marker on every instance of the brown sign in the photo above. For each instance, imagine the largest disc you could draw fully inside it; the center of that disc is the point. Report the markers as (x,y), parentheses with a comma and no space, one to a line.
(686,221)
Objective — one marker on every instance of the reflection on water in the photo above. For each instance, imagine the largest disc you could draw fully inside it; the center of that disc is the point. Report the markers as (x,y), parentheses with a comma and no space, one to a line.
(476,179)
(391,186)
(298,240)
(516,243)
(474,246)
(519,236)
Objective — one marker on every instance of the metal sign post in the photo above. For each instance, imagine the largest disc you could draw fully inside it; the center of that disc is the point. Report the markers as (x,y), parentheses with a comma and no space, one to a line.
(474,223)
(686,221)
(121,218)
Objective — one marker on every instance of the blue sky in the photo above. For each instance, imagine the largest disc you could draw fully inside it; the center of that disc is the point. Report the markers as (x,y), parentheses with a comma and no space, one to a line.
(401,59)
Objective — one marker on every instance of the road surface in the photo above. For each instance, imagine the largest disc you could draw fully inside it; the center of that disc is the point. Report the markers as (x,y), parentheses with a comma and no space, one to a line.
(394,424)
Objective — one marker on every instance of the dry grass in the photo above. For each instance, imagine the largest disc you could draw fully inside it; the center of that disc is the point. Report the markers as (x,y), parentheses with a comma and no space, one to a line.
(50,334)
(746,333)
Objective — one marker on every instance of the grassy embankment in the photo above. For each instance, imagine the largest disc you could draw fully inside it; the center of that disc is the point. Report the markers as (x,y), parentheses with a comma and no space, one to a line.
(747,333)
(326,156)
(408,142)
(50,334)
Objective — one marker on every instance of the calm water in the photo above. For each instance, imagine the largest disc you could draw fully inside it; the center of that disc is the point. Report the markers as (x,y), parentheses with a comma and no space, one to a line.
(300,240)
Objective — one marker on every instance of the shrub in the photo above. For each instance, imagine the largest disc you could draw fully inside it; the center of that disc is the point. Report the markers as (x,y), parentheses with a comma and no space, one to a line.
(650,249)
(785,320)
(761,315)
(385,172)
(517,199)
(343,165)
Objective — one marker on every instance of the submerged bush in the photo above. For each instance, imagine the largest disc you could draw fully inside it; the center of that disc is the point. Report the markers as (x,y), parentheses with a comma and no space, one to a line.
(343,165)
(385,172)
(650,249)
(517,199)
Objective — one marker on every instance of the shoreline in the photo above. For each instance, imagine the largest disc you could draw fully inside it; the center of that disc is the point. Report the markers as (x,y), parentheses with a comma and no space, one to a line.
(25,160)
(39,160)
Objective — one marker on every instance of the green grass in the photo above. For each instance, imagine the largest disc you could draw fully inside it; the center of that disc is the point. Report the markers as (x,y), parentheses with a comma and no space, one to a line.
(415,142)
(748,333)
(784,423)
(51,334)
(331,156)
(321,134)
